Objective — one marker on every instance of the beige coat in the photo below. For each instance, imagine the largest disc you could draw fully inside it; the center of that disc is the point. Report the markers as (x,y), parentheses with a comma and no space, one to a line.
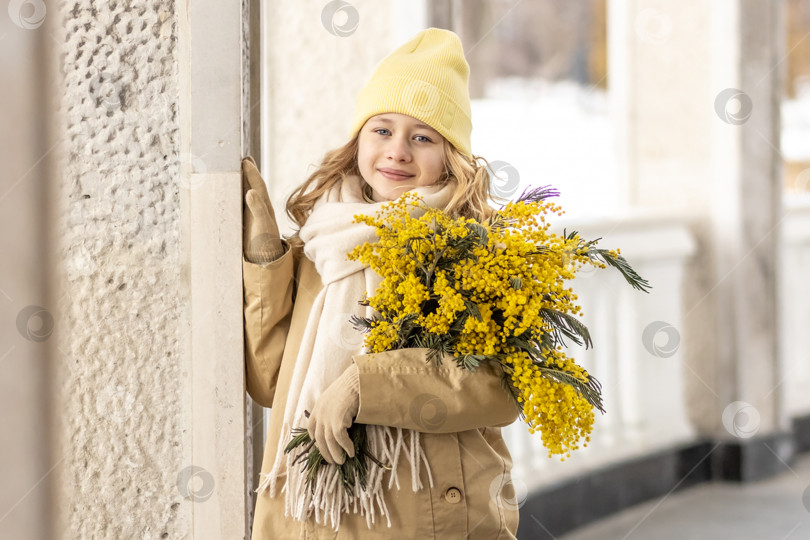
(460,414)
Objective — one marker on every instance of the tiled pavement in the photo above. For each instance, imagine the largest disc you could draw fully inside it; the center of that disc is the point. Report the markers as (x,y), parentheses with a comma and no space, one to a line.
(774,509)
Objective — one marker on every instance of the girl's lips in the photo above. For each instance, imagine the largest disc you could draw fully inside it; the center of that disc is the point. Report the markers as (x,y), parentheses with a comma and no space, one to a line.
(394,176)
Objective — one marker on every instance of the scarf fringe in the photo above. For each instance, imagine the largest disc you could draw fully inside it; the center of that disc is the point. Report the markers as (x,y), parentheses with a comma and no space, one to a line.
(330,499)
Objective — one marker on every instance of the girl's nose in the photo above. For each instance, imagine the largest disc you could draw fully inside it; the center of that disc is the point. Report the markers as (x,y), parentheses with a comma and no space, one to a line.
(398,149)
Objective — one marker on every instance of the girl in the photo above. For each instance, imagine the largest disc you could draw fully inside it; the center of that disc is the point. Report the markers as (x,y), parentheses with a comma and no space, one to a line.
(438,425)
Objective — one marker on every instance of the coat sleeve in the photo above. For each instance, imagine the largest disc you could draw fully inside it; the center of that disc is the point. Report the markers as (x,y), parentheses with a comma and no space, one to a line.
(400,389)
(268,302)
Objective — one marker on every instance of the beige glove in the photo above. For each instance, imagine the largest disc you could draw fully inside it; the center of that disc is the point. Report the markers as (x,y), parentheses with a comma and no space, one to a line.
(332,416)
(261,241)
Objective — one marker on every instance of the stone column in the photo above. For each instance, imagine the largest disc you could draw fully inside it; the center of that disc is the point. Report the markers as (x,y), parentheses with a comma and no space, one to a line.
(152,373)
(28,317)
(696,88)
(748,72)
(212,141)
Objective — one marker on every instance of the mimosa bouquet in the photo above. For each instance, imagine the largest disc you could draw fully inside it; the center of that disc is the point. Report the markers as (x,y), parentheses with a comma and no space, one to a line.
(492,291)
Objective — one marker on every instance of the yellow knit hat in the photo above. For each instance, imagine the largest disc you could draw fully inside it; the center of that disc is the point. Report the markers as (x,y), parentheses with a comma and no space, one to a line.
(426,78)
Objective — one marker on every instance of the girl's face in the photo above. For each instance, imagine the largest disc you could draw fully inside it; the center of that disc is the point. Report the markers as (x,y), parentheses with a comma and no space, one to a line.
(397,153)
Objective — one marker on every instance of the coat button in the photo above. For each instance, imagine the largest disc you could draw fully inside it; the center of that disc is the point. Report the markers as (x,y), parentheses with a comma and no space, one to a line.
(452,495)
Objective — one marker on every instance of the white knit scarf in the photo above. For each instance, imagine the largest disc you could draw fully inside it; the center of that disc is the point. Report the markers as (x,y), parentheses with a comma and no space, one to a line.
(327,347)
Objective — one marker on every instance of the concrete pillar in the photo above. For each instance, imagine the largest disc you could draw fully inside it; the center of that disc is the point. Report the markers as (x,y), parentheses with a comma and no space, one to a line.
(475,24)
(29,465)
(152,400)
(211,105)
(696,88)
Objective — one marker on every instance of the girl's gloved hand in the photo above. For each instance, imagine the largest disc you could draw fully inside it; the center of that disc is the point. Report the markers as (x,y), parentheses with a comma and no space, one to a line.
(332,416)
(260,238)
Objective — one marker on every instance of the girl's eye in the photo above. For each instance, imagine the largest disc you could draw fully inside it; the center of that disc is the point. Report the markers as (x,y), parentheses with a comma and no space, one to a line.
(421,138)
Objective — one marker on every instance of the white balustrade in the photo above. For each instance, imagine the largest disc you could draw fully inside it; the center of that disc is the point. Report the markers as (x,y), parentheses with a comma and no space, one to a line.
(795,305)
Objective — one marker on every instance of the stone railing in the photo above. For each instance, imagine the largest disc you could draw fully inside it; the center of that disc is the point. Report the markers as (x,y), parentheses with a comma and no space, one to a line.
(795,305)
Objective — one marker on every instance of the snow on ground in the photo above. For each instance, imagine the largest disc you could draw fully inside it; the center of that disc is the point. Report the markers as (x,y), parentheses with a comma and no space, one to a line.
(796,124)
(561,134)
(558,134)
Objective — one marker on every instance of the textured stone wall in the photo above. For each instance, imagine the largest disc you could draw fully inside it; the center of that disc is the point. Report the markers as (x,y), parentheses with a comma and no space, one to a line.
(124,394)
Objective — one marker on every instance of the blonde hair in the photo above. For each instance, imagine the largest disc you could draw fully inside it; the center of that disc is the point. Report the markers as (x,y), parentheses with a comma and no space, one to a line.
(471,199)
